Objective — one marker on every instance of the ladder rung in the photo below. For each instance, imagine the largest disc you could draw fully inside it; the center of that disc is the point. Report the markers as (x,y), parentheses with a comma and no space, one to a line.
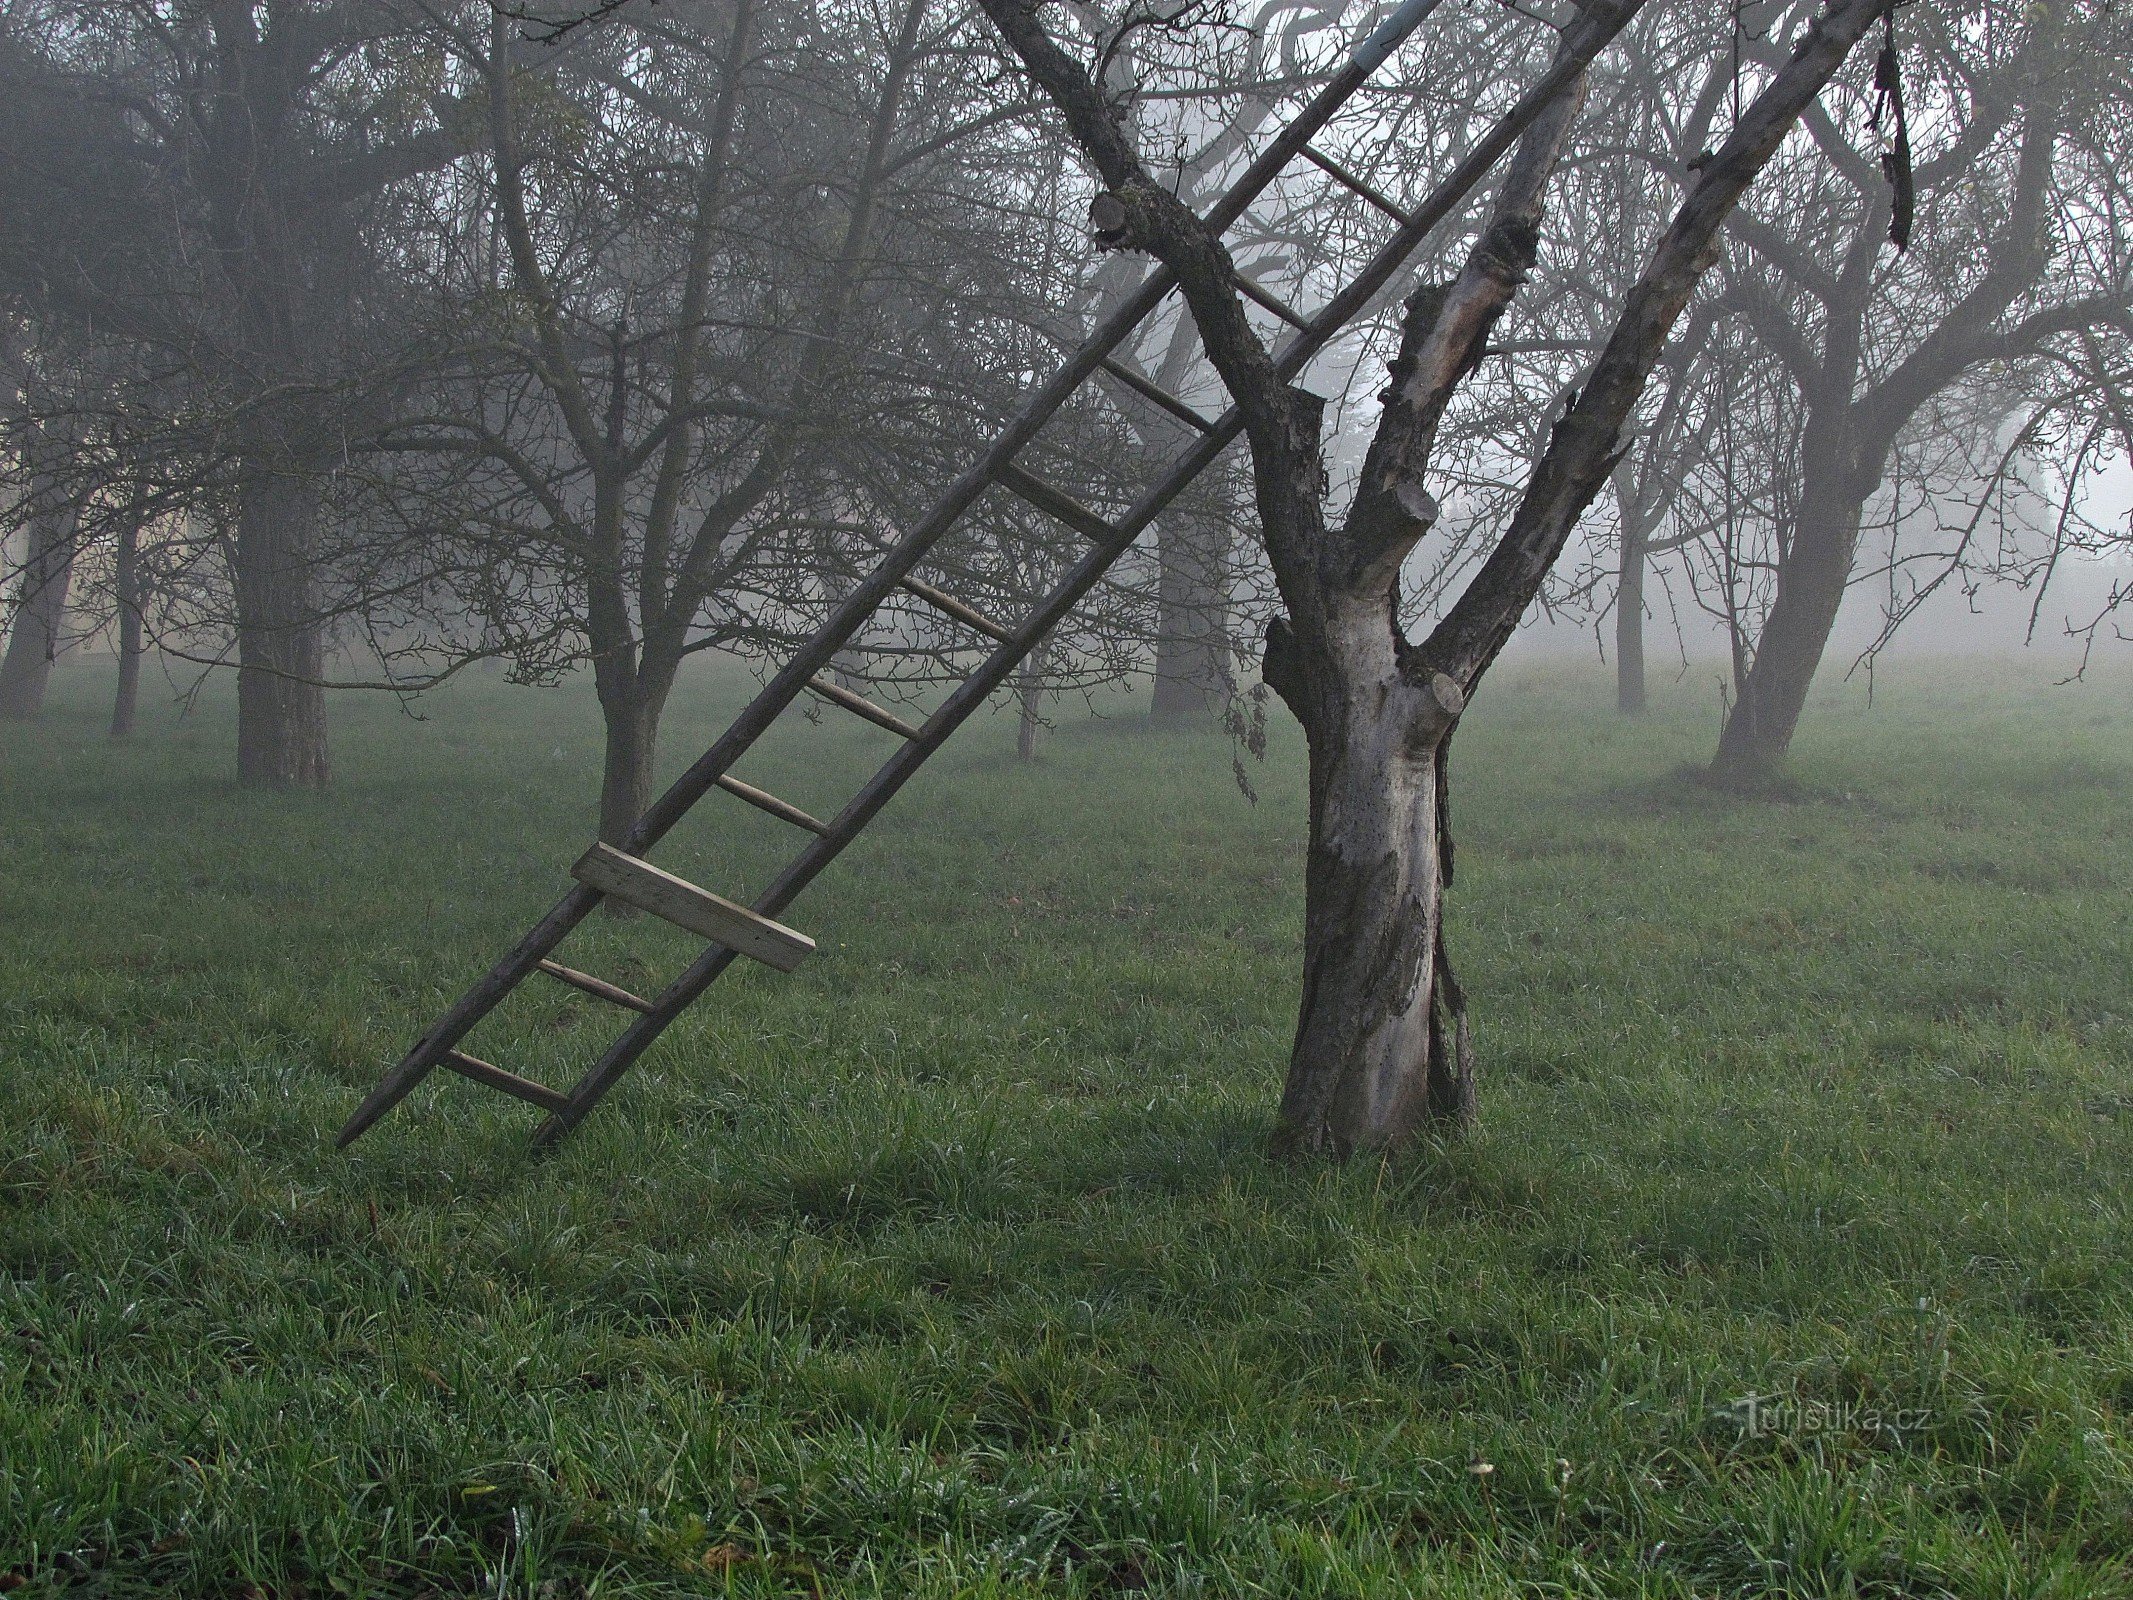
(680,902)
(1157,393)
(510,1082)
(613,992)
(1273,302)
(1350,181)
(764,800)
(949,605)
(1056,503)
(860,706)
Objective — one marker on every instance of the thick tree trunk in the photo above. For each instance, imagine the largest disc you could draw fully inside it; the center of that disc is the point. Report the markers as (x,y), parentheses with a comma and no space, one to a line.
(127,575)
(39,633)
(1812,576)
(1382,1048)
(1630,697)
(281,650)
(1192,645)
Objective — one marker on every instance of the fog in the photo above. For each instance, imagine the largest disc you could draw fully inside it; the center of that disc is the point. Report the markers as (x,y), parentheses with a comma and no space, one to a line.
(960,798)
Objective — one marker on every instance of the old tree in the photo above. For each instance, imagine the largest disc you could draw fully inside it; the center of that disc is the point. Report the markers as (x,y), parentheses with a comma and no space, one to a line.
(1382,1048)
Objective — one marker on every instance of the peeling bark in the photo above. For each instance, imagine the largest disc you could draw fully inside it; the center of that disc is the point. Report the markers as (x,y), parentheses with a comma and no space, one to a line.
(1381,1046)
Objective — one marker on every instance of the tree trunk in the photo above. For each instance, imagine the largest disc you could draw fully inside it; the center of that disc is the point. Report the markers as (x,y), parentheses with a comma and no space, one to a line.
(281,649)
(1382,1047)
(1812,575)
(626,767)
(1029,690)
(127,582)
(40,615)
(1192,645)
(1630,697)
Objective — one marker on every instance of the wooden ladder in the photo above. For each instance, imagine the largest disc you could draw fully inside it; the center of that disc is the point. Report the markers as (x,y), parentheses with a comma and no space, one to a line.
(733,929)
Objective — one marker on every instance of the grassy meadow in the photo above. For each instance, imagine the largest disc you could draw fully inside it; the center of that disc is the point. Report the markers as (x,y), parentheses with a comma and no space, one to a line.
(1792,1259)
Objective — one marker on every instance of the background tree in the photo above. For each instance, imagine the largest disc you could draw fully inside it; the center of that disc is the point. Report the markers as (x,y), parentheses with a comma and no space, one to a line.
(207,183)
(2020,121)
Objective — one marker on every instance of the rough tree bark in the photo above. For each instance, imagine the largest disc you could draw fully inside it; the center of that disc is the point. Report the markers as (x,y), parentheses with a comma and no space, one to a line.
(1382,1048)
(1382,1045)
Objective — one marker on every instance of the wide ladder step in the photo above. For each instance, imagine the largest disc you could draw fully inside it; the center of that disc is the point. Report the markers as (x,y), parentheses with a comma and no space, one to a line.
(948,605)
(682,903)
(510,1082)
(1056,503)
(1350,181)
(860,706)
(764,800)
(1149,390)
(614,993)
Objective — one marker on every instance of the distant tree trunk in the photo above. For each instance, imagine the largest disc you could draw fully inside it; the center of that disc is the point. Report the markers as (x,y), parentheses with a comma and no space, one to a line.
(1029,692)
(1192,644)
(40,615)
(127,582)
(1630,697)
(847,666)
(630,709)
(281,698)
(1813,572)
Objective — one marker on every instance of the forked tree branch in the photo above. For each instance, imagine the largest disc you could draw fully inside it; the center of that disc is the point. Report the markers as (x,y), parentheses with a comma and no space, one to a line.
(1588,439)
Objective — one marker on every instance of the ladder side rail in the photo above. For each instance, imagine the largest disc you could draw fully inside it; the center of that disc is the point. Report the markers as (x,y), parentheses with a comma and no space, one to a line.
(1577,51)
(818,653)
(1581,43)
(1289,142)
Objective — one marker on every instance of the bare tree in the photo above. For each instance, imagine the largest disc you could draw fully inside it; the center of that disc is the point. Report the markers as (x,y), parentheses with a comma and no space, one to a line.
(699,294)
(2016,257)
(201,182)
(1382,1048)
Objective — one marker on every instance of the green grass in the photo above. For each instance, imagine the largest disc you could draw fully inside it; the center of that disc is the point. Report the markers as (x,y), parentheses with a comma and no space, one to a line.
(952,1264)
